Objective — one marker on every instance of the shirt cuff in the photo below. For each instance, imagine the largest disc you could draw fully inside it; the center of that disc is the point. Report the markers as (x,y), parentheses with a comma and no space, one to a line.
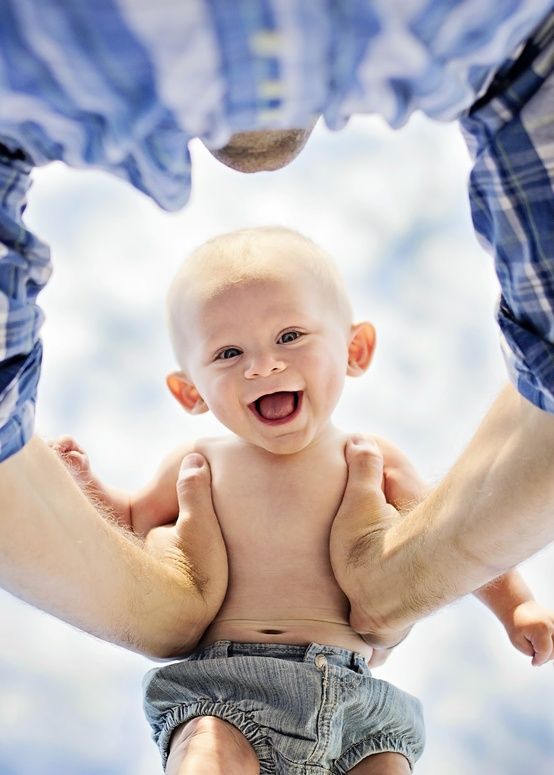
(529,360)
(17,401)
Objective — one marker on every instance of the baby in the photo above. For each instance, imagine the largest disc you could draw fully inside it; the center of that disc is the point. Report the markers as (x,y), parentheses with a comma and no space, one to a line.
(262,330)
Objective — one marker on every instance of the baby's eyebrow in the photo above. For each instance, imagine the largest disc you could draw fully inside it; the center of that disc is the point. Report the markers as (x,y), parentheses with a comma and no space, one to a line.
(216,340)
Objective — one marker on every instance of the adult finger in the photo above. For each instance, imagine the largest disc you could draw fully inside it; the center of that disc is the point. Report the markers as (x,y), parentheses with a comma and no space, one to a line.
(356,545)
(194,490)
(364,502)
(198,531)
(363,512)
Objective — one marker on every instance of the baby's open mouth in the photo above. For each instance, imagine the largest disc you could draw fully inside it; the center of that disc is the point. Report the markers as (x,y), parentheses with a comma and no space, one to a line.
(277,407)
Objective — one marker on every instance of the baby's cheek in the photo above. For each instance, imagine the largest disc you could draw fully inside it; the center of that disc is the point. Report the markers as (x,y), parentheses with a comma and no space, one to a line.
(227,417)
(334,384)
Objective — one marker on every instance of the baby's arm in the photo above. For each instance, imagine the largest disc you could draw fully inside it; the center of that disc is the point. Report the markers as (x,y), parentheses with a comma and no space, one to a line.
(402,484)
(154,505)
(112,502)
(529,625)
(157,504)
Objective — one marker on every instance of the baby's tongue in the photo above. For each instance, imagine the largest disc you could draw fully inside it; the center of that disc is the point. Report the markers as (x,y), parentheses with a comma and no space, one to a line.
(276,405)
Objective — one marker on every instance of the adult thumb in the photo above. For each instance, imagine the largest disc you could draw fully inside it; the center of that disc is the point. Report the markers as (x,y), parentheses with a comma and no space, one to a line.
(363,514)
(364,499)
(194,491)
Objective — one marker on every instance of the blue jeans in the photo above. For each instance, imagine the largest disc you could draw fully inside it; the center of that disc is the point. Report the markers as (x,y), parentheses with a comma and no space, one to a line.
(304,709)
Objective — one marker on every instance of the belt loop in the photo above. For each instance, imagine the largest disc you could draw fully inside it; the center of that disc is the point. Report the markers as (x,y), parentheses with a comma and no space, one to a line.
(358,663)
(311,650)
(219,649)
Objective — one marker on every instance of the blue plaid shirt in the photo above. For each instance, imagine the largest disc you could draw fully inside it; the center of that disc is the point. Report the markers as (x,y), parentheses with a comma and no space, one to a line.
(123,85)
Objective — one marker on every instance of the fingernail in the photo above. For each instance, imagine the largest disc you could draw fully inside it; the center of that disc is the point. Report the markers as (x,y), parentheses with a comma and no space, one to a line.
(193,460)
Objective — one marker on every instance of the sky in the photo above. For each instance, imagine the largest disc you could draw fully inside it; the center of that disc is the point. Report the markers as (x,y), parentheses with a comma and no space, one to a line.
(391,208)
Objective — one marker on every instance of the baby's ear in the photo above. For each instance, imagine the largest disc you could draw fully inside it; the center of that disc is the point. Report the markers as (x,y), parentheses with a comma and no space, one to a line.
(360,349)
(185,393)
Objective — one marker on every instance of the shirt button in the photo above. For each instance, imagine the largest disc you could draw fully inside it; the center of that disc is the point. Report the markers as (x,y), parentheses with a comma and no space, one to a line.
(271,116)
(267,43)
(320,661)
(271,89)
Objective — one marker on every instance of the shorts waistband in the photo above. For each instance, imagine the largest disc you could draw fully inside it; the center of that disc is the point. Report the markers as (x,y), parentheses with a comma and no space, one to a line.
(334,655)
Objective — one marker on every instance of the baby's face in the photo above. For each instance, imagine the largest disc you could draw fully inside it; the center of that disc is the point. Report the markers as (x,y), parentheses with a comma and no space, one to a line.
(269,357)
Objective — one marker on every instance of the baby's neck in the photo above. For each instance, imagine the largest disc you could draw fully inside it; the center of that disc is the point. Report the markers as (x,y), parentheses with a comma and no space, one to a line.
(329,435)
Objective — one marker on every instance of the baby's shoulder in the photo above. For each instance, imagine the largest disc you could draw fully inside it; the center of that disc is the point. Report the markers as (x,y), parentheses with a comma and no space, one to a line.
(386,447)
(213,445)
(173,459)
(342,437)
(393,457)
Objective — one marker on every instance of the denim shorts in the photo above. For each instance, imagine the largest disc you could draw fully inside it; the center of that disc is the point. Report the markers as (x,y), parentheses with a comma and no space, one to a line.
(305,709)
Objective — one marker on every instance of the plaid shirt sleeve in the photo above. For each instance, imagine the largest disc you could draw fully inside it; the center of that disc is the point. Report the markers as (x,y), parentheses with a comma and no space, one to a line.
(24,269)
(511,135)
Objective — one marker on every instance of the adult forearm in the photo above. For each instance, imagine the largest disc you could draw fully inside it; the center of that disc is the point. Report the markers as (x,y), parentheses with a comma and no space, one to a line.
(59,554)
(494,509)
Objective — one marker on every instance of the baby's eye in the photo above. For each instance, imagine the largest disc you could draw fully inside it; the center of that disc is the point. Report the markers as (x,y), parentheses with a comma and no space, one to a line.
(289,336)
(229,352)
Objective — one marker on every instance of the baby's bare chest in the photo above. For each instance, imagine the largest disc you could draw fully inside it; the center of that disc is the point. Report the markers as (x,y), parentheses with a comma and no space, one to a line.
(277,514)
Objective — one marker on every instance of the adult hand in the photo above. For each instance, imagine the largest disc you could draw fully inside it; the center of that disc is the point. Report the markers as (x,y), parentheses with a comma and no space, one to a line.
(58,553)
(491,511)
(358,538)
(194,546)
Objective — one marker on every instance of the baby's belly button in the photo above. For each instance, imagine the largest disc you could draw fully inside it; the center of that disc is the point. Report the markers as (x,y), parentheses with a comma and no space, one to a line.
(281,626)
(299,631)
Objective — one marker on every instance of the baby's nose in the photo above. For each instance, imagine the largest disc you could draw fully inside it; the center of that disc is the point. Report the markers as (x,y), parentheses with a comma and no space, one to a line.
(263,366)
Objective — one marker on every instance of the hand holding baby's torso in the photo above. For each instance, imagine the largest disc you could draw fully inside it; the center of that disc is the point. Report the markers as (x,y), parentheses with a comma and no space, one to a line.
(276,514)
